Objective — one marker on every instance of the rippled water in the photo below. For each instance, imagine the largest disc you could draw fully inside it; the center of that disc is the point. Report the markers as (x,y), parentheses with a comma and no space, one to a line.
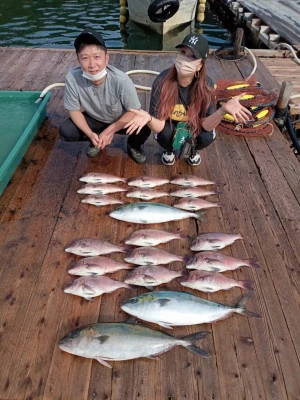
(54,23)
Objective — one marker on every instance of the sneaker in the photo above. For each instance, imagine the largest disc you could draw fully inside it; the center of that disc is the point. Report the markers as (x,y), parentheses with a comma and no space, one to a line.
(194,159)
(168,158)
(93,151)
(137,155)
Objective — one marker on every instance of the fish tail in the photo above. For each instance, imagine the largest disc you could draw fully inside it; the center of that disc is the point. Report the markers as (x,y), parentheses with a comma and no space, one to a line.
(192,347)
(200,215)
(253,264)
(247,285)
(240,308)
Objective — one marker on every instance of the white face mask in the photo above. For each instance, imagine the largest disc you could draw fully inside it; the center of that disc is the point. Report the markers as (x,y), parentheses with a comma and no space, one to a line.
(96,77)
(185,66)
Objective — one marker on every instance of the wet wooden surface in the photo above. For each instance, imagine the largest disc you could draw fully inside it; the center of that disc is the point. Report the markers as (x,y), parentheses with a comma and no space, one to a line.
(41,212)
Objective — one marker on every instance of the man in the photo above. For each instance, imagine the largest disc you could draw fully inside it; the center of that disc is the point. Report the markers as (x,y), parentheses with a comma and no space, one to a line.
(98,97)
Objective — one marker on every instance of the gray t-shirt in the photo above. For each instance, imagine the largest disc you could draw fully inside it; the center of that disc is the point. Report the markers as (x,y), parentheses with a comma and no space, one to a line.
(105,103)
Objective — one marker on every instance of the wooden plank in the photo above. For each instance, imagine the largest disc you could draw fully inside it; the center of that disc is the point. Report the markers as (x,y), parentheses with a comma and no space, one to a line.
(41,213)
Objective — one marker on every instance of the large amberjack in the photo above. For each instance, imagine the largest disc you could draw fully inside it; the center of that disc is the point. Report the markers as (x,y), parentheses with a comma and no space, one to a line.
(169,308)
(151,213)
(123,341)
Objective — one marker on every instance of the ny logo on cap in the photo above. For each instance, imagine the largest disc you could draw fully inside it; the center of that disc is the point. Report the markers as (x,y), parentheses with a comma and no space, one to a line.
(193,40)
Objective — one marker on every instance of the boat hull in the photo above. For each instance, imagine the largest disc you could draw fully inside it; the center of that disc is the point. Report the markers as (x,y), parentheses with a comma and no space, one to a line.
(138,12)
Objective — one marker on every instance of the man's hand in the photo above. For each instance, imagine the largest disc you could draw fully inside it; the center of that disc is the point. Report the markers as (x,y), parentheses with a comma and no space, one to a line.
(105,138)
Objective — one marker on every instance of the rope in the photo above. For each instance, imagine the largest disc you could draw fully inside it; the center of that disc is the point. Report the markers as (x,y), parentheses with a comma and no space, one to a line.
(291,50)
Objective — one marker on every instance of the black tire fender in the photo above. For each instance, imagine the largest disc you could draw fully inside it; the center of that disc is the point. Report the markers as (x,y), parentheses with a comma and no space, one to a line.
(161,10)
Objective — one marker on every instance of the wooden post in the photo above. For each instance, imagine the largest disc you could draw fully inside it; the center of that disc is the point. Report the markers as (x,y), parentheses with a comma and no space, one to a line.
(282,103)
(284,95)
(238,41)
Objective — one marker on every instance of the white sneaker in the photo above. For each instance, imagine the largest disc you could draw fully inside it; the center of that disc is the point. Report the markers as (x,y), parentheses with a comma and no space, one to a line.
(168,158)
(195,159)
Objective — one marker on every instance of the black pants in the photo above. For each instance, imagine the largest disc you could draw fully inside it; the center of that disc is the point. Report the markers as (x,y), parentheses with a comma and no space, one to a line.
(165,138)
(69,132)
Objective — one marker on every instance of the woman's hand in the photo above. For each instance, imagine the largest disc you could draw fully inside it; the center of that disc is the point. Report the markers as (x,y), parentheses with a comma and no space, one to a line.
(140,119)
(239,112)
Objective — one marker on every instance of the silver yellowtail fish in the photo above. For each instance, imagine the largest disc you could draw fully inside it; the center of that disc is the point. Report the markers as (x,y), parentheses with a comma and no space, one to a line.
(88,247)
(147,181)
(214,241)
(99,188)
(100,200)
(123,341)
(213,281)
(190,180)
(152,237)
(93,286)
(169,309)
(97,265)
(218,262)
(151,275)
(151,213)
(101,177)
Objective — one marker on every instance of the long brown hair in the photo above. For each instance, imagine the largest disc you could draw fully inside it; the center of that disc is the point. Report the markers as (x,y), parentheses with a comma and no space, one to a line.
(201,94)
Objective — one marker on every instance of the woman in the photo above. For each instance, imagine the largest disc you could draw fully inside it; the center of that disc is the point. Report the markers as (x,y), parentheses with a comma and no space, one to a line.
(184,93)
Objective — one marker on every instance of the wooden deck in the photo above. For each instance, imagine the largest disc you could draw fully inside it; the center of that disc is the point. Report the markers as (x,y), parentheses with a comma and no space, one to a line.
(41,213)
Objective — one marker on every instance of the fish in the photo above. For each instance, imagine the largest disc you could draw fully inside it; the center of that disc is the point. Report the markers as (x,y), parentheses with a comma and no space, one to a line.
(213,281)
(89,287)
(190,180)
(88,247)
(194,204)
(119,341)
(98,188)
(194,191)
(151,256)
(172,308)
(97,265)
(151,275)
(152,237)
(214,241)
(150,213)
(218,262)
(100,200)
(101,177)
(147,181)
(146,194)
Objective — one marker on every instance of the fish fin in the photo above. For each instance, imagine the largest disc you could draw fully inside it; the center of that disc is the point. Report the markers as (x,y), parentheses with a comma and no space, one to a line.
(88,290)
(164,325)
(162,302)
(196,336)
(200,215)
(150,279)
(103,338)
(247,285)
(253,264)
(149,287)
(196,350)
(101,361)
(240,308)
